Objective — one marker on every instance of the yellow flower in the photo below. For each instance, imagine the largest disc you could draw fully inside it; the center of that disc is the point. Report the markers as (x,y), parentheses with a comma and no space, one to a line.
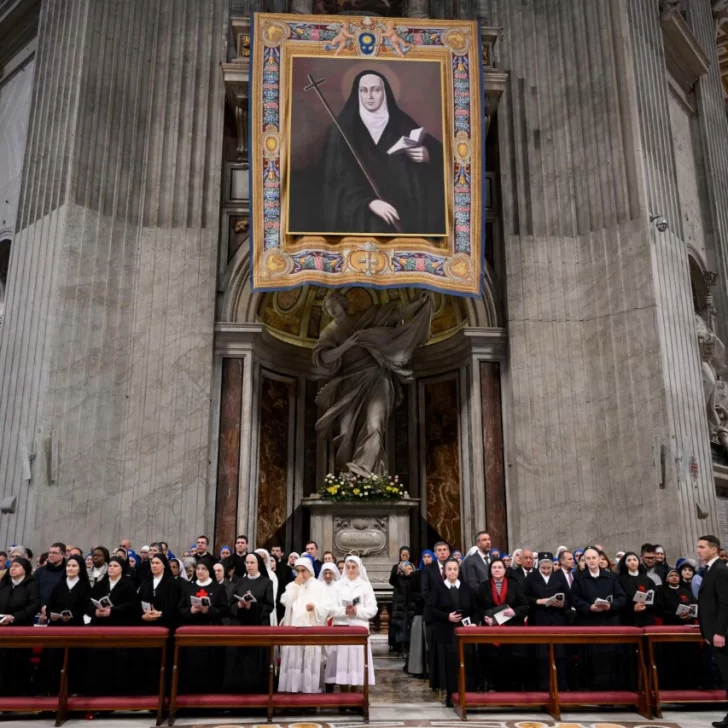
(356,491)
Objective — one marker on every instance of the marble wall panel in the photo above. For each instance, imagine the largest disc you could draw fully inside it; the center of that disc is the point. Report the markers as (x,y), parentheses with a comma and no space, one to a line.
(276,397)
(441,455)
(495,482)
(228,471)
(310,444)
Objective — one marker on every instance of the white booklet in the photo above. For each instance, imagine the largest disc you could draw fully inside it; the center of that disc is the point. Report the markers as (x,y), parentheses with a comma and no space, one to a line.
(501,617)
(555,599)
(689,609)
(647,598)
(102,603)
(200,601)
(64,613)
(247,597)
(3,617)
(413,139)
(146,607)
(603,602)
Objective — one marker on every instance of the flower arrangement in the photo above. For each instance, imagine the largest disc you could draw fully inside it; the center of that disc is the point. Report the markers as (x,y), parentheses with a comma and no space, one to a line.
(349,487)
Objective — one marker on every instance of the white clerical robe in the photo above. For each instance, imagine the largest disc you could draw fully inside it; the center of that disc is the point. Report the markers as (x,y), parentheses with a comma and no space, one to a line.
(301,666)
(345,664)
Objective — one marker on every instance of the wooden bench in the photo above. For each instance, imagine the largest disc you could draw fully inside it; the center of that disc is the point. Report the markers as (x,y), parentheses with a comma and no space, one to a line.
(676,634)
(68,638)
(552,700)
(270,638)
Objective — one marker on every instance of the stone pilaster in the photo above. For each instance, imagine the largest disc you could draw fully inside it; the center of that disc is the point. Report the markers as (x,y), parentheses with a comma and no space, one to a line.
(105,361)
(605,382)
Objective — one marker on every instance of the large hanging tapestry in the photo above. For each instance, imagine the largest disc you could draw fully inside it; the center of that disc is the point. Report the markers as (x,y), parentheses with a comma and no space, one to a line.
(366,153)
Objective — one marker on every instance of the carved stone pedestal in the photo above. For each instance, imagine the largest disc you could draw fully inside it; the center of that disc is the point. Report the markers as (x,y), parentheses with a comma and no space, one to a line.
(375,531)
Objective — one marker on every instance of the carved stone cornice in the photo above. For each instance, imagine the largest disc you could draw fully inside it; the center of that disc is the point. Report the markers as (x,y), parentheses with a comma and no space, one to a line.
(685,58)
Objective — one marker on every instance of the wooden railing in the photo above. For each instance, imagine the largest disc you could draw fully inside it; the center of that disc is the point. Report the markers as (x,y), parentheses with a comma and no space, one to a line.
(552,700)
(270,638)
(68,638)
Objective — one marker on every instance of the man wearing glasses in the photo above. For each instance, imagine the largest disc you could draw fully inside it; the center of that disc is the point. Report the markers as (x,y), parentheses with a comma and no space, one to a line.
(49,575)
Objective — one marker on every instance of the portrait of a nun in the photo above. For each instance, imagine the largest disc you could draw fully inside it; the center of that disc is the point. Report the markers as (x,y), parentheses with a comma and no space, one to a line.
(410,181)
(306,606)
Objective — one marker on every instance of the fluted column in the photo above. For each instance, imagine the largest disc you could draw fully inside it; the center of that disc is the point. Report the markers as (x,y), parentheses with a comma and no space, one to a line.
(105,361)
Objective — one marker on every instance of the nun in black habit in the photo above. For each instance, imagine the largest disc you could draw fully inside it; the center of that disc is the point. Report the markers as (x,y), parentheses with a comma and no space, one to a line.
(247,668)
(410,182)
(202,667)
(542,587)
(451,602)
(66,608)
(19,603)
(109,669)
(673,657)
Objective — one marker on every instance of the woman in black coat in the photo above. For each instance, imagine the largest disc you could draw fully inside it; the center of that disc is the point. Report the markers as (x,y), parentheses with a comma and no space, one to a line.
(503,665)
(247,668)
(404,605)
(633,578)
(394,574)
(451,602)
(202,667)
(110,669)
(598,664)
(19,603)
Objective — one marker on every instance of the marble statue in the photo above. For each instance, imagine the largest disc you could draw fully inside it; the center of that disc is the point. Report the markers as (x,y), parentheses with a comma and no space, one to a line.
(364,359)
(715,388)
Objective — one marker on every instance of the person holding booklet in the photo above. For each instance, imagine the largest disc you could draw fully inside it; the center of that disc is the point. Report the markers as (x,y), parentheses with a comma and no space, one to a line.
(247,668)
(503,602)
(203,602)
(640,590)
(453,605)
(549,604)
(598,598)
(356,605)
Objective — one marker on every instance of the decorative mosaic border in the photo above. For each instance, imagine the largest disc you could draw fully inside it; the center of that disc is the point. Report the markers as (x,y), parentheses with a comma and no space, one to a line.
(280,260)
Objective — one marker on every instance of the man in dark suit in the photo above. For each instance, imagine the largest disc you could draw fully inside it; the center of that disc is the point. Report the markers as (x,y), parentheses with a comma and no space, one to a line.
(312,551)
(520,573)
(475,566)
(434,573)
(713,607)
(566,561)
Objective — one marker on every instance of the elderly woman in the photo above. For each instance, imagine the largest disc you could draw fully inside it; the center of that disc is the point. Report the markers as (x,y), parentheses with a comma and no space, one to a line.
(357,605)
(306,606)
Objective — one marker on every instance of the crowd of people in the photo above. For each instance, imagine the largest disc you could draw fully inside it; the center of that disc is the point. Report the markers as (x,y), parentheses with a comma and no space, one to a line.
(432,596)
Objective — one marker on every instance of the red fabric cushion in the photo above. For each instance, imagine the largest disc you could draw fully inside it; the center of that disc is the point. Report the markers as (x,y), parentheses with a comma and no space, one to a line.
(17,702)
(113,702)
(692,696)
(588,697)
(89,631)
(525,698)
(272,631)
(224,700)
(675,629)
(555,631)
(285,700)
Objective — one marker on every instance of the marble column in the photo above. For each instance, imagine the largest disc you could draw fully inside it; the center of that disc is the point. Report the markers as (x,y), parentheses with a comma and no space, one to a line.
(418,8)
(105,358)
(603,360)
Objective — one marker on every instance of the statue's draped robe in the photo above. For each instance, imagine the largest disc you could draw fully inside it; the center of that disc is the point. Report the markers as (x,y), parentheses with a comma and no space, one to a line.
(366,379)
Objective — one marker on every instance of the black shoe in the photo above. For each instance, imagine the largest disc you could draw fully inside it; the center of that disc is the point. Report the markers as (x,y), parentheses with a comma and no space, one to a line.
(721,723)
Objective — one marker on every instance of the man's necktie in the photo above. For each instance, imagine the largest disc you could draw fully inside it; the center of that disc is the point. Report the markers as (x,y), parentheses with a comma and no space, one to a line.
(442,573)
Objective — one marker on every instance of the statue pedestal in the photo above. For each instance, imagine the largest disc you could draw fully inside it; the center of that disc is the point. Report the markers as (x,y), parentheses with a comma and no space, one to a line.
(375,531)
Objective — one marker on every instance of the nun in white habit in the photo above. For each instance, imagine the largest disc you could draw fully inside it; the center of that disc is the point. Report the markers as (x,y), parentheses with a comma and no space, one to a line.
(306,606)
(356,606)
(274,579)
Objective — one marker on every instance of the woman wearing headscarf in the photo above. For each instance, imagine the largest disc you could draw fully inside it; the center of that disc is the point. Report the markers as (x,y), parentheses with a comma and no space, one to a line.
(225,553)
(247,668)
(100,560)
(306,606)
(189,563)
(357,605)
(328,576)
(672,658)
(633,578)
(177,570)
(502,594)
(268,571)
(598,598)
(397,570)
(418,664)
(452,601)
(203,602)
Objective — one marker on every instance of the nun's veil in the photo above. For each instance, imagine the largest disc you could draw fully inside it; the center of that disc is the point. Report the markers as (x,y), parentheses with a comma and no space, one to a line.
(362,568)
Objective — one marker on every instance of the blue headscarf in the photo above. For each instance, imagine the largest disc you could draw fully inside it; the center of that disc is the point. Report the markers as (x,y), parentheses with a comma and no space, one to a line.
(313,563)
(432,556)
(225,547)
